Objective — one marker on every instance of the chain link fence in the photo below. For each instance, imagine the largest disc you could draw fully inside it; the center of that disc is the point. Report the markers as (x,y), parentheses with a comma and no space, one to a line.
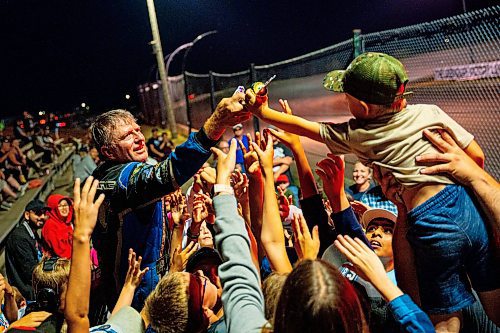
(452,62)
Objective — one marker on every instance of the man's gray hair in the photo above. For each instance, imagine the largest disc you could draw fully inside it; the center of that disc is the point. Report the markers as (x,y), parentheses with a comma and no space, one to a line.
(103,128)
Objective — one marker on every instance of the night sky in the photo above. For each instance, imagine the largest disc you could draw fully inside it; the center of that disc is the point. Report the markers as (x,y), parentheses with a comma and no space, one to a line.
(56,54)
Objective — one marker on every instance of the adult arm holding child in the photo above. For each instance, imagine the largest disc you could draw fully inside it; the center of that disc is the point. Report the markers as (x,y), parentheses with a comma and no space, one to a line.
(458,164)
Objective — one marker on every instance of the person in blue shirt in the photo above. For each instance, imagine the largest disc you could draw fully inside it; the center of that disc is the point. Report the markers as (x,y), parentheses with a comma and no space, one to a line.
(238,135)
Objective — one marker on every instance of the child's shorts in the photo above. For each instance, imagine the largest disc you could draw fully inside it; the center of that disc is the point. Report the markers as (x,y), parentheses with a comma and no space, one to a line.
(450,241)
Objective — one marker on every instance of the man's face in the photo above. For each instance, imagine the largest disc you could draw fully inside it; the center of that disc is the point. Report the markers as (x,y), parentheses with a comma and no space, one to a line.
(155,134)
(5,145)
(205,239)
(129,144)
(360,174)
(224,147)
(238,132)
(94,154)
(379,233)
(36,218)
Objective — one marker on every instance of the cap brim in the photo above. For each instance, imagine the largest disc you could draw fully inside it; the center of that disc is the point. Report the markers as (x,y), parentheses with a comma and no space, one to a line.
(334,81)
(375,213)
(404,95)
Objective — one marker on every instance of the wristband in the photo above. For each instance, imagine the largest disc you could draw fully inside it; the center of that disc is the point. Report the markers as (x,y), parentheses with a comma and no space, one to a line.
(222,188)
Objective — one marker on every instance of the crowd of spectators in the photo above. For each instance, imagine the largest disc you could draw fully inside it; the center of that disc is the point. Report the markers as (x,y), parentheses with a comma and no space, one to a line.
(25,155)
(247,248)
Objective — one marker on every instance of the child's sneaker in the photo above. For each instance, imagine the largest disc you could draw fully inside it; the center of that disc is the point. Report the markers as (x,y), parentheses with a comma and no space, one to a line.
(22,189)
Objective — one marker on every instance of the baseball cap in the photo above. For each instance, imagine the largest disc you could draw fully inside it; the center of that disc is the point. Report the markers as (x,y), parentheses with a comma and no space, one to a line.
(237,126)
(282,179)
(372,77)
(375,213)
(36,205)
(205,255)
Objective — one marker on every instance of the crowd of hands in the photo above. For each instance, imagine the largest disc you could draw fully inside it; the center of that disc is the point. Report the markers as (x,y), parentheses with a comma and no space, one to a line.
(258,202)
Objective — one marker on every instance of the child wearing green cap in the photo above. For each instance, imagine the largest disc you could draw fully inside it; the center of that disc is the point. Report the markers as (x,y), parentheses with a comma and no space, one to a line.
(446,230)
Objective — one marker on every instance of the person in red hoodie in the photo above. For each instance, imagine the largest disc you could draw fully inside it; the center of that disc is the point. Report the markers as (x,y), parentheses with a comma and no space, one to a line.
(58,230)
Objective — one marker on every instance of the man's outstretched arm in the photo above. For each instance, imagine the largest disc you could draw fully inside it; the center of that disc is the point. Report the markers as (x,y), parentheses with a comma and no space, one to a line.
(146,182)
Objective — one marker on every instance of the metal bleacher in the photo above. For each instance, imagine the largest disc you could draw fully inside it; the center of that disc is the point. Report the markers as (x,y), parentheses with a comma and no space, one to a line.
(9,219)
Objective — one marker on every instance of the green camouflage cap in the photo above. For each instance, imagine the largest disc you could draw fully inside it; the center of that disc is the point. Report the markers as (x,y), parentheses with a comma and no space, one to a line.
(374,78)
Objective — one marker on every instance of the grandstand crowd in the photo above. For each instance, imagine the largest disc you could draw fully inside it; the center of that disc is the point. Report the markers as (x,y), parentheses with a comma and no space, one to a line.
(249,245)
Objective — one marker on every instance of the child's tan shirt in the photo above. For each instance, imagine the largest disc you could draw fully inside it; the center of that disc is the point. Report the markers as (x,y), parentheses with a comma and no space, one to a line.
(393,141)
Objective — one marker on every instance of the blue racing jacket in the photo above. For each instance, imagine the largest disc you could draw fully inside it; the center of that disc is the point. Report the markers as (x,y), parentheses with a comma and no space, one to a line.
(133,214)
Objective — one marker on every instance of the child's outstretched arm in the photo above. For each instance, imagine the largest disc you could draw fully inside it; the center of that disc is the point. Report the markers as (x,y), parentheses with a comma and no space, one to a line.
(78,294)
(287,122)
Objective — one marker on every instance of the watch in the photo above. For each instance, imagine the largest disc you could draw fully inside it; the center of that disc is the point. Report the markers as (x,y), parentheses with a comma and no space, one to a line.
(222,188)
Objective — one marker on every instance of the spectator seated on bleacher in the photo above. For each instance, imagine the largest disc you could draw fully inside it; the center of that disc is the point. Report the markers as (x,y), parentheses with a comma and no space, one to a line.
(49,141)
(5,164)
(20,133)
(85,162)
(41,147)
(18,159)
(10,190)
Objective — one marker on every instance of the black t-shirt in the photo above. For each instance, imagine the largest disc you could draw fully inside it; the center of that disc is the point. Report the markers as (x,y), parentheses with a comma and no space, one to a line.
(22,254)
(156,145)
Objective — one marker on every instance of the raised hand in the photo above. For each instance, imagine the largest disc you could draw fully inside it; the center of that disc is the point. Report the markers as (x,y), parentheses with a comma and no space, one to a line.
(181,257)
(200,210)
(5,286)
(251,160)
(240,185)
(254,103)
(306,245)
(331,172)
(265,153)
(134,273)
(86,209)
(288,139)
(283,203)
(225,163)
(204,180)
(366,263)
(179,211)
(359,208)
(228,113)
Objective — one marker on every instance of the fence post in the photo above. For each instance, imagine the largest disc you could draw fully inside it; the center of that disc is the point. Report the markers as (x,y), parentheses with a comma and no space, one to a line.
(357,43)
(188,106)
(253,78)
(212,90)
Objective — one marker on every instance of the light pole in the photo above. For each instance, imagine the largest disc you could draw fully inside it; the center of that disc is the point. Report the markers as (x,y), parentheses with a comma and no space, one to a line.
(188,47)
(156,43)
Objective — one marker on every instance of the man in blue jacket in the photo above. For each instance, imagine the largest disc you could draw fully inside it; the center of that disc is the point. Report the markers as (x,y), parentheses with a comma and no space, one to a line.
(133,214)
